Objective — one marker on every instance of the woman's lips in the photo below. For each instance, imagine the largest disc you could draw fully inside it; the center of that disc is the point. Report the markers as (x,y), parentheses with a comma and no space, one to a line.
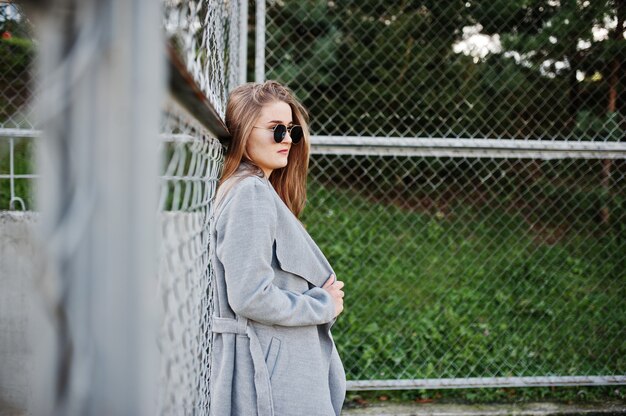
(284,151)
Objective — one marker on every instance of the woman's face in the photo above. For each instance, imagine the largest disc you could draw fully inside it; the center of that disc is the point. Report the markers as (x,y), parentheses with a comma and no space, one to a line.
(261,147)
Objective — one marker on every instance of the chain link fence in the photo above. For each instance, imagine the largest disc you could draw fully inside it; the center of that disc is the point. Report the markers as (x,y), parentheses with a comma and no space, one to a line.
(467,263)
(205,36)
(475,208)
(16,127)
(204,59)
(467,272)
(16,55)
(193,163)
(544,70)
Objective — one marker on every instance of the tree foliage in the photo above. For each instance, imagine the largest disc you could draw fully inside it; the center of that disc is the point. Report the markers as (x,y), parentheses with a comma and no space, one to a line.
(389,69)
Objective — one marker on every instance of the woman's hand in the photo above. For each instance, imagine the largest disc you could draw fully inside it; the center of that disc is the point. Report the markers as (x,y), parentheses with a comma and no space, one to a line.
(333,287)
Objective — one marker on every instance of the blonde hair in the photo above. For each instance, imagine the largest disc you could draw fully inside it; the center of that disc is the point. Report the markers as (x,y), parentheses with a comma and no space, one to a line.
(243,109)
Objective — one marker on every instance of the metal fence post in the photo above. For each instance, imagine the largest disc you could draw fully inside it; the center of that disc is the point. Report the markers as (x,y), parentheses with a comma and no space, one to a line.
(259,44)
(243,41)
(102,84)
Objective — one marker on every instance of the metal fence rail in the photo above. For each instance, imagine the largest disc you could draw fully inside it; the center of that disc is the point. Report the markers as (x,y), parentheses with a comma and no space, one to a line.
(482,382)
(441,147)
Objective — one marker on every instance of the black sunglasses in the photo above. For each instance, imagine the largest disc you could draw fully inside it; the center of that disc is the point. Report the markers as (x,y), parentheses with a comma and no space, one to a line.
(280,131)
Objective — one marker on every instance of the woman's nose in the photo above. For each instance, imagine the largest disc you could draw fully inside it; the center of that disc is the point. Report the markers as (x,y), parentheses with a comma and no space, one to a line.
(287,138)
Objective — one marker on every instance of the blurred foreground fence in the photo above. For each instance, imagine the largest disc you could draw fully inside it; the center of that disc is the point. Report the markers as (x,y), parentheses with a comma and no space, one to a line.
(470,260)
(120,83)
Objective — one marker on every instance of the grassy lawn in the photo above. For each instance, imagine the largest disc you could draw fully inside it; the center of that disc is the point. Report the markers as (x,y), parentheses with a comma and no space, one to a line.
(468,294)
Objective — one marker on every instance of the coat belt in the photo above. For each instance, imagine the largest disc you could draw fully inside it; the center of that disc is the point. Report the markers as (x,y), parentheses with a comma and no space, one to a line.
(229,325)
(265,405)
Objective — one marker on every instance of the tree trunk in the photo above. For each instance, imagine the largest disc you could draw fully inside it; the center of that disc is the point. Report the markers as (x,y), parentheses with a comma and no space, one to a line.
(607,164)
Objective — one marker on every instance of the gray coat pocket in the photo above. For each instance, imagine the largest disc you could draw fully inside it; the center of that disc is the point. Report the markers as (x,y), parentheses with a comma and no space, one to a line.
(272,355)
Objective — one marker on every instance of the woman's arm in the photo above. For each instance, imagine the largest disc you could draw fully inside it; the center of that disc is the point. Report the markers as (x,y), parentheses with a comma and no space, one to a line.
(246,230)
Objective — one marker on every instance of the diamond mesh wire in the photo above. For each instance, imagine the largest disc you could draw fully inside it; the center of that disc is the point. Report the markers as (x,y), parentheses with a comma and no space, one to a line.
(544,70)
(208,43)
(471,266)
(193,160)
(16,54)
(206,36)
(474,267)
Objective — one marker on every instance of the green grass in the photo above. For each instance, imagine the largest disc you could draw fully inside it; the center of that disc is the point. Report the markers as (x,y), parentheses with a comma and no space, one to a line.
(468,294)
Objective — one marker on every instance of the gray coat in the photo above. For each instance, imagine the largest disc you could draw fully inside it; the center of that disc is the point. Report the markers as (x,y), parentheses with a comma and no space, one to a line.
(273,353)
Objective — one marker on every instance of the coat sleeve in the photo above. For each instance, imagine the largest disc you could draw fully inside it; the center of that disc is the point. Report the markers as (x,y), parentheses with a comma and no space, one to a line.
(246,229)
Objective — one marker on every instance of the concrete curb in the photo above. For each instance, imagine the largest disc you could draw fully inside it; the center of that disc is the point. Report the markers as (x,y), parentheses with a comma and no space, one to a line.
(521,409)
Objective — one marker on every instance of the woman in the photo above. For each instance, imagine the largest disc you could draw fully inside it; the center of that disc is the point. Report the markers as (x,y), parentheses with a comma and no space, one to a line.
(275,295)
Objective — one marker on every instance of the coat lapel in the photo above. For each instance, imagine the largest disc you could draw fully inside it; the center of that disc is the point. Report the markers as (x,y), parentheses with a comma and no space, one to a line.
(296,251)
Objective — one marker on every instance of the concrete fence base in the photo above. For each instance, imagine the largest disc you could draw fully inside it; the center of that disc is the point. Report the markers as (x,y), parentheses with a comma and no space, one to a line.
(19,260)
